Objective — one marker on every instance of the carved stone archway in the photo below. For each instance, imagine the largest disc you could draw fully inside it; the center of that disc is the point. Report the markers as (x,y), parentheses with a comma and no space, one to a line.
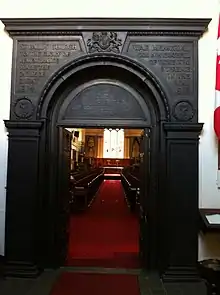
(47,54)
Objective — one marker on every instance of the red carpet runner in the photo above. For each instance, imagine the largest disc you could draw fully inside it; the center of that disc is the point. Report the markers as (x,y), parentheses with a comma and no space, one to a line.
(106,235)
(98,284)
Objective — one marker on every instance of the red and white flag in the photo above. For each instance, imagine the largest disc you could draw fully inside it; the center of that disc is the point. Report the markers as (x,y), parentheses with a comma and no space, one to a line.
(217,88)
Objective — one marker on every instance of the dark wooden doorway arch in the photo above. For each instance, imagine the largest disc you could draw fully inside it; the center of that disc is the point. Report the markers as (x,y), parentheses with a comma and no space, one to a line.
(162,54)
(103,93)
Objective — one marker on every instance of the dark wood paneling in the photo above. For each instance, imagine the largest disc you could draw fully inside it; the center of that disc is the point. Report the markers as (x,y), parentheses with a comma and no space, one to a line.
(181,211)
(22,196)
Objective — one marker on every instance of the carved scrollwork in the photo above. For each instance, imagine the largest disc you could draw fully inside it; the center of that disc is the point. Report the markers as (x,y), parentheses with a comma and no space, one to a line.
(104,42)
(23,108)
(183,111)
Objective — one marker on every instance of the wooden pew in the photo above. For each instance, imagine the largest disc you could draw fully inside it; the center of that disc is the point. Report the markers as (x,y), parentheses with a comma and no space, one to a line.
(131,186)
(84,189)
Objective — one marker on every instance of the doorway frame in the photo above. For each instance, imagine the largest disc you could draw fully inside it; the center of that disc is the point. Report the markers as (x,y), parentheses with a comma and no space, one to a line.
(158,113)
(152,257)
(27,131)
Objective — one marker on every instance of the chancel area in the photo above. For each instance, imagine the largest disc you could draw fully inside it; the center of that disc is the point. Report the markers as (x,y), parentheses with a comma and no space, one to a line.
(104,193)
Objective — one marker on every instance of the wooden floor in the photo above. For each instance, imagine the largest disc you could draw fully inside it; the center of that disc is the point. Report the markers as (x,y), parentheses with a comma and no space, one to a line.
(149,283)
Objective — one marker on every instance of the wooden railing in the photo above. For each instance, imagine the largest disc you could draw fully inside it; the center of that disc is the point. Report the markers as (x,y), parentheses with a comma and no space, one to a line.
(103,162)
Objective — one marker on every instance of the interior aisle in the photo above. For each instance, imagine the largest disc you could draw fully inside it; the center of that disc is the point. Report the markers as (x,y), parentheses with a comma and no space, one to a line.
(107,234)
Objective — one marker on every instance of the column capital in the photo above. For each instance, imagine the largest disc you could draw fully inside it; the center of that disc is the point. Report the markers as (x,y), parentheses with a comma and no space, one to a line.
(9,124)
(183,127)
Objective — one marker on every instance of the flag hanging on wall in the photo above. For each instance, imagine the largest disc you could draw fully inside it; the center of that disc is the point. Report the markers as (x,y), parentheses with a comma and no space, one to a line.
(217,88)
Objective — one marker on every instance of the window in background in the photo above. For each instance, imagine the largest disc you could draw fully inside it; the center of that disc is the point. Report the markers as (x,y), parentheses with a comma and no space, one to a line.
(113,143)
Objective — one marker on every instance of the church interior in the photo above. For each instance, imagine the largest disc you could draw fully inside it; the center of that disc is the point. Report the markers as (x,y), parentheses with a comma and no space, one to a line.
(104,198)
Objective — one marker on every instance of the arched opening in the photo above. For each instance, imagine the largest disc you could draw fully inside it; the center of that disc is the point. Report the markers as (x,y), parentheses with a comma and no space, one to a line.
(103,91)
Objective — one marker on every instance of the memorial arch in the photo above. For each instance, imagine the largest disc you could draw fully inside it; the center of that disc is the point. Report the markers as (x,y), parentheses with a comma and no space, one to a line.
(101,97)
(108,73)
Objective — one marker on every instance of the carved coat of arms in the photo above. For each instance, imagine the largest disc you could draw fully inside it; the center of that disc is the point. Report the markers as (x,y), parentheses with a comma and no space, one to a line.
(104,42)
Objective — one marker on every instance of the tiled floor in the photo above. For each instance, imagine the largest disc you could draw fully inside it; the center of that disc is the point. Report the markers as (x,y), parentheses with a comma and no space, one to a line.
(43,284)
(150,284)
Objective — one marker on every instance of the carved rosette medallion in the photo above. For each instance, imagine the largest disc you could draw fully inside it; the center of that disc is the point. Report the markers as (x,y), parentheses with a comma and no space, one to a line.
(23,108)
(104,42)
(183,111)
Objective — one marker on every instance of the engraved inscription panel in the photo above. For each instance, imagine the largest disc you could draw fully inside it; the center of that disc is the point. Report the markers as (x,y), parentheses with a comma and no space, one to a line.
(104,101)
(173,60)
(36,60)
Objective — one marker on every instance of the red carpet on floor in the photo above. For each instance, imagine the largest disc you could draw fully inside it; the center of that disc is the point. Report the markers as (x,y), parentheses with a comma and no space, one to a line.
(107,234)
(70,283)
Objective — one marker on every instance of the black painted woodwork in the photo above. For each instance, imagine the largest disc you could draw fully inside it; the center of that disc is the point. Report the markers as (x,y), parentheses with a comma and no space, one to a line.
(22,202)
(153,64)
(64,195)
(146,212)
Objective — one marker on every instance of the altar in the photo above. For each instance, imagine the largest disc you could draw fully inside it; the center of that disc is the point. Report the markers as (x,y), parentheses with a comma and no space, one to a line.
(111,162)
(112,171)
